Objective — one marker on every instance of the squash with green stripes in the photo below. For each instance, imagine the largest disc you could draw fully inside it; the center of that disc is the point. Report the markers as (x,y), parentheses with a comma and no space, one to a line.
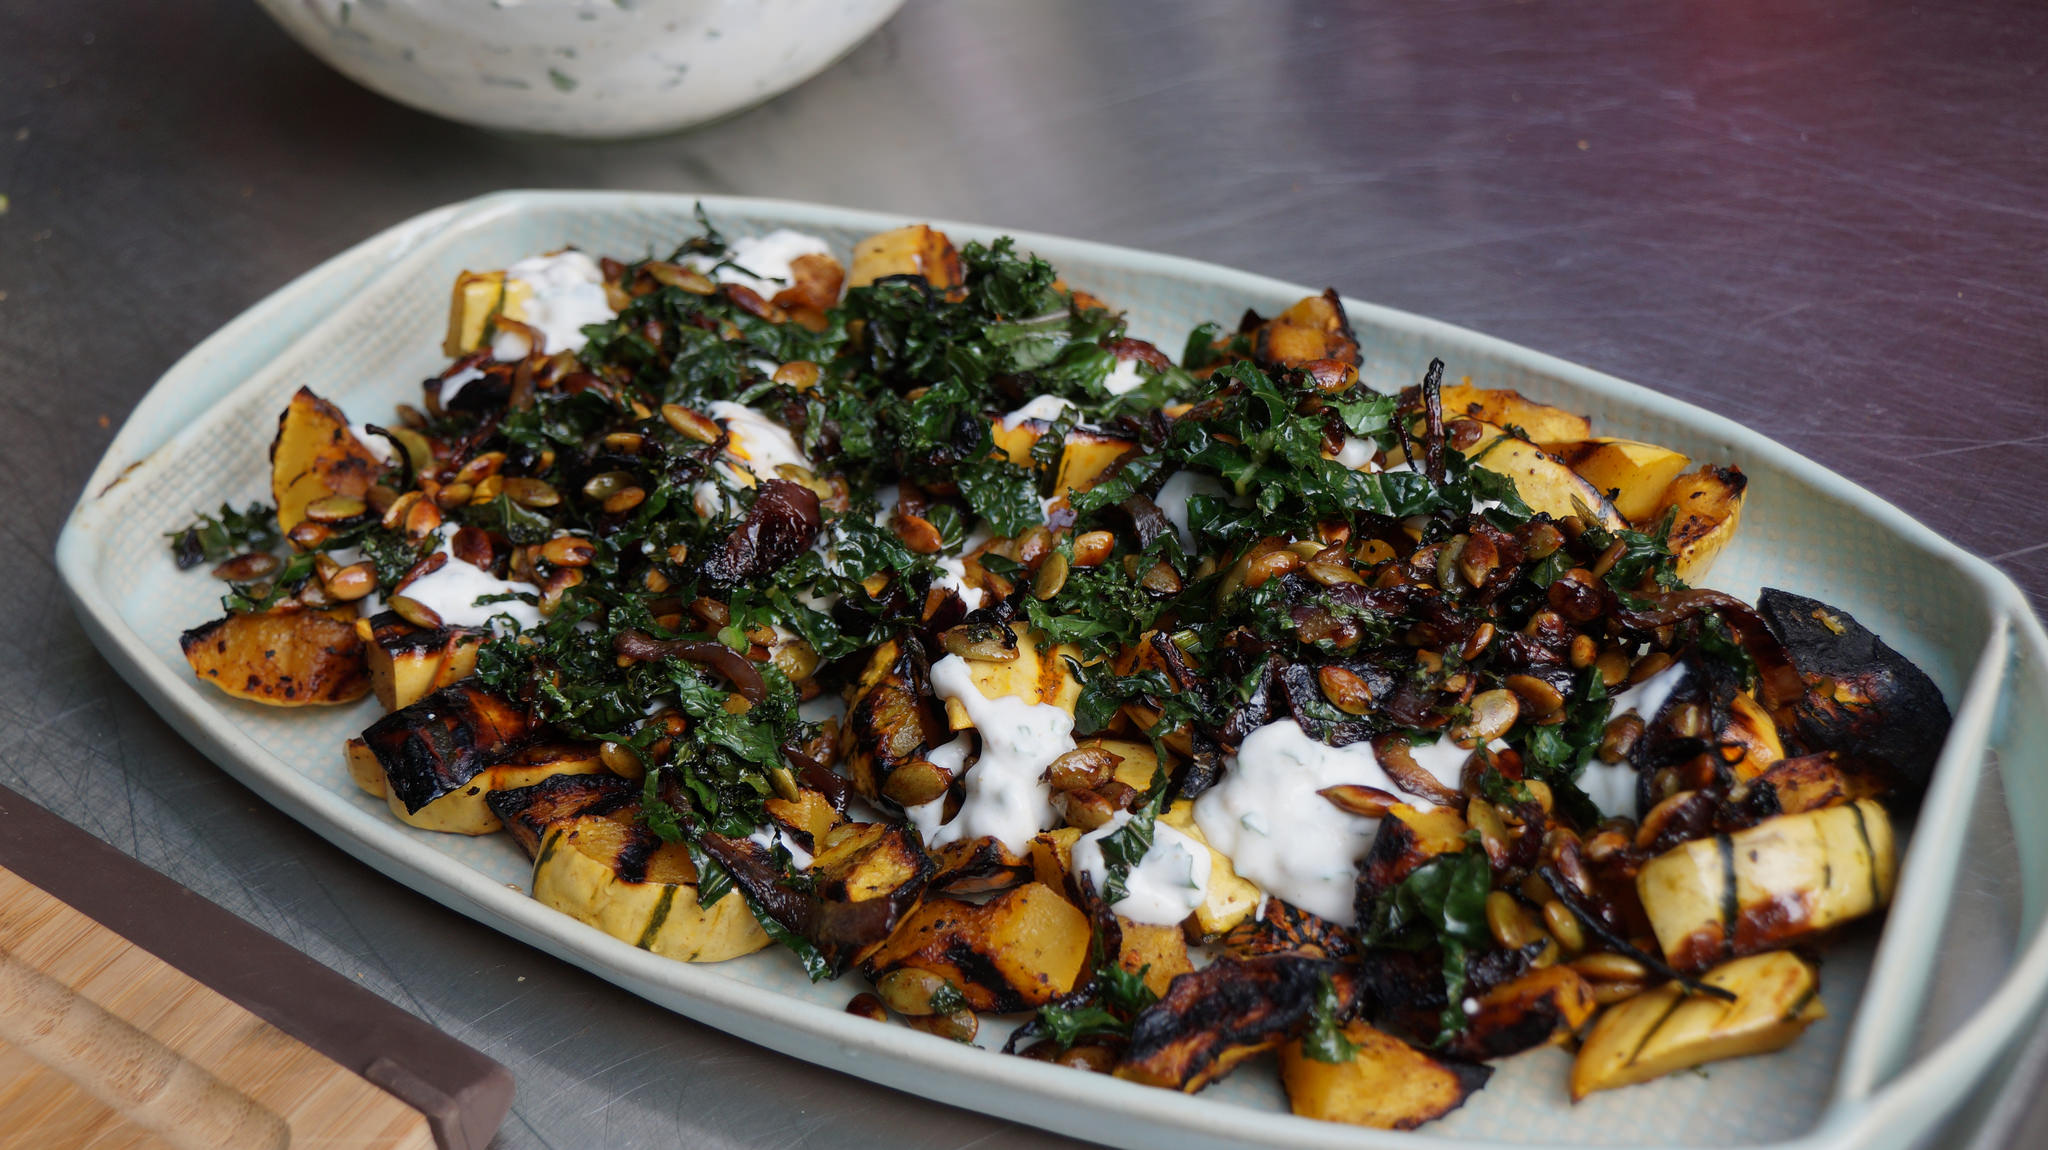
(620,877)
(1770,885)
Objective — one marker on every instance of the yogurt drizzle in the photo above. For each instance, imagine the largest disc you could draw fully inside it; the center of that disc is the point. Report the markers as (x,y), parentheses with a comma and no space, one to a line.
(1167,884)
(1005,798)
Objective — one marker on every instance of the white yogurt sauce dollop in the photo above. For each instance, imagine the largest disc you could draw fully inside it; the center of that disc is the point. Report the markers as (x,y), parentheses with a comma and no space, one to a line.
(1047,408)
(1267,819)
(767,257)
(567,294)
(1125,378)
(1612,786)
(1167,884)
(1004,797)
(452,593)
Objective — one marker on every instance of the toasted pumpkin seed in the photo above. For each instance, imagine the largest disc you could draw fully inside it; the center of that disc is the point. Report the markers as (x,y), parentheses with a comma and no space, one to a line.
(480,466)
(335,508)
(1619,738)
(422,520)
(1346,690)
(1359,799)
(606,484)
(909,991)
(1584,651)
(487,489)
(1564,926)
(959,1026)
(529,492)
(1537,696)
(1607,966)
(690,424)
(415,612)
(1092,548)
(621,760)
(916,783)
(1052,575)
(1492,713)
(1093,1058)
(867,1006)
(250,567)
(1504,917)
(624,499)
(569,551)
(1082,769)
(625,442)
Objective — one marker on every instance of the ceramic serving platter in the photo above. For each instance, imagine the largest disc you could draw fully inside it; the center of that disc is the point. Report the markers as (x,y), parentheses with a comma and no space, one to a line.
(365,328)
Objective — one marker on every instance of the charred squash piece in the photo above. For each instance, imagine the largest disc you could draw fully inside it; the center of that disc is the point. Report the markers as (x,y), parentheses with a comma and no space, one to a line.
(407,662)
(1087,458)
(1706,506)
(1160,953)
(281,658)
(1226,1012)
(1863,699)
(890,719)
(1408,837)
(435,746)
(1315,328)
(479,298)
(1542,1006)
(315,455)
(1287,929)
(1387,1085)
(618,876)
(1020,950)
(807,819)
(1769,886)
(1037,674)
(979,866)
(1541,479)
(466,810)
(868,877)
(1813,782)
(815,281)
(916,250)
(1052,856)
(528,812)
(1633,475)
(1662,1030)
(1504,407)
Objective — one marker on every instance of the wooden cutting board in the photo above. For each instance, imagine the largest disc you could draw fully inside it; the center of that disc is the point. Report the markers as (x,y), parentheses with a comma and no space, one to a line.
(135,1014)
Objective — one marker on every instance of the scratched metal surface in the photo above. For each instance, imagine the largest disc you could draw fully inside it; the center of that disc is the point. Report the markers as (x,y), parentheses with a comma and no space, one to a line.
(1827,220)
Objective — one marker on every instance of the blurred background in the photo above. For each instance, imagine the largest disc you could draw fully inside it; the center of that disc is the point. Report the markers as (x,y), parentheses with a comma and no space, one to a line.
(1826,220)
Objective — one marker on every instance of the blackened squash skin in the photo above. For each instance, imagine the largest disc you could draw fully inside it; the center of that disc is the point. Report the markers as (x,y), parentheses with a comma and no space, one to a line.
(1216,1017)
(1863,699)
(442,741)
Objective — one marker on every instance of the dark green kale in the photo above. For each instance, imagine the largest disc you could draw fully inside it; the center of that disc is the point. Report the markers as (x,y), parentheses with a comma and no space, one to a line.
(212,538)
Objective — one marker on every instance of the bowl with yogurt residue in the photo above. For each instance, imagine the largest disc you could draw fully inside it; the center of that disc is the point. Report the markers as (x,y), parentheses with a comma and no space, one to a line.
(587,68)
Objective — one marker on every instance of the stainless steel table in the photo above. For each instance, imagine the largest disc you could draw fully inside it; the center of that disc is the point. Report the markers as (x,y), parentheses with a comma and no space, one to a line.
(1829,221)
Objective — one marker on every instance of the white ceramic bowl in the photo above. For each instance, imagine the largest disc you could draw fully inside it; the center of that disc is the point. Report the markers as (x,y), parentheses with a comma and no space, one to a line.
(596,68)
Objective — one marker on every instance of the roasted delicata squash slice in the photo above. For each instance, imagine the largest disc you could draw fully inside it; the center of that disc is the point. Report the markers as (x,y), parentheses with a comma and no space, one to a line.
(864,881)
(1705,506)
(618,876)
(1506,407)
(481,297)
(1218,1016)
(1387,1084)
(1632,475)
(286,658)
(1777,996)
(1794,876)
(1086,458)
(916,250)
(466,810)
(407,663)
(1408,837)
(529,812)
(1158,953)
(1020,950)
(1543,481)
(436,746)
(891,720)
(316,456)
(1315,328)
(1542,1007)
(1035,674)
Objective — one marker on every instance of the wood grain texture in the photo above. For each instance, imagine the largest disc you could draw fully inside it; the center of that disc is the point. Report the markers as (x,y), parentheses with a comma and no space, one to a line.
(104,1045)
